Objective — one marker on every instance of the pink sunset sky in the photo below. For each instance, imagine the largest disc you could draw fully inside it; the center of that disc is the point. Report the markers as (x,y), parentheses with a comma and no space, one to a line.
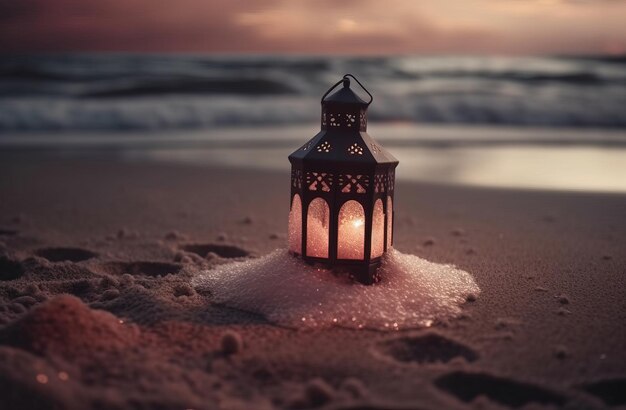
(316,26)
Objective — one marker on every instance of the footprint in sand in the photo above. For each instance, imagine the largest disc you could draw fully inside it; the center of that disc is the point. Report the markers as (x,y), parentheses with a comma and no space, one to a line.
(140,268)
(65,254)
(428,348)
(224,251)
(10,269)
(611,391)
(467,386)
(8,232)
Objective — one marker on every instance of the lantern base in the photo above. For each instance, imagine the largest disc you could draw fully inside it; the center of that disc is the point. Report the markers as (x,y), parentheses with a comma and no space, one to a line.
(364,272)
(367,275)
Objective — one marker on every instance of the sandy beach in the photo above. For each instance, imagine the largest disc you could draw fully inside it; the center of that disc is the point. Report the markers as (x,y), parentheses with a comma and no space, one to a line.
(97,310)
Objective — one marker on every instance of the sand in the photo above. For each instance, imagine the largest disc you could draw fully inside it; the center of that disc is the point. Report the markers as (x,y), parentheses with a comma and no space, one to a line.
(412,293)
(96,308)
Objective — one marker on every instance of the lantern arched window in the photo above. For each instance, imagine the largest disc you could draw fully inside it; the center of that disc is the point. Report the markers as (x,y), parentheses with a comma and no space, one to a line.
(318,229)
(351,233)
(378,229)
(344,182)
(389,221)
(295,225)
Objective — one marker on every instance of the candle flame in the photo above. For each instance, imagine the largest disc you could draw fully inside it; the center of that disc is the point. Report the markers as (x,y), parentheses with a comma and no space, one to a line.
(351,232)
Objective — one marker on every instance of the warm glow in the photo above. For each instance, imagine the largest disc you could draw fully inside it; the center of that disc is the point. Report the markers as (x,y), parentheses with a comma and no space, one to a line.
(346,25)
(351,235)
(318,229)
(295,225)
(318,27)
(378,230)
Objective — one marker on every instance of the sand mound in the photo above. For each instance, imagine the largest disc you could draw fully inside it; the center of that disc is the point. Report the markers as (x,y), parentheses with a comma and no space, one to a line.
(65,325)
(412,293)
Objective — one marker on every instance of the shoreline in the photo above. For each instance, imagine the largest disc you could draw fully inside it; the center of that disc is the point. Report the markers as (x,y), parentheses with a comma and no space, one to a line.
(502,157)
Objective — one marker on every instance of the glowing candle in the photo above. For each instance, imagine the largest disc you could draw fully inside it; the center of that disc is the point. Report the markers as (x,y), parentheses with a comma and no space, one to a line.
(351,235)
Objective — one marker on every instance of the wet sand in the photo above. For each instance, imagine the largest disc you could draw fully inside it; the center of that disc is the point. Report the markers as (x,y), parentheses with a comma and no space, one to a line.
(97,311)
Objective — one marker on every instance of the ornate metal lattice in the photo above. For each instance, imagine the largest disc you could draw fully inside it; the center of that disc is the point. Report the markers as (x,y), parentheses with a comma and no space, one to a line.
(355,149)
(363,120)
(344,120)
(306,146)
(380,182)
(350,120)
(324,147)
(354,183)
(296,178)
(319,181)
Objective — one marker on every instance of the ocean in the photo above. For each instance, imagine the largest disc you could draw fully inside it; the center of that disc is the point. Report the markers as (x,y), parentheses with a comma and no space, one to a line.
(147,92)
(512,122)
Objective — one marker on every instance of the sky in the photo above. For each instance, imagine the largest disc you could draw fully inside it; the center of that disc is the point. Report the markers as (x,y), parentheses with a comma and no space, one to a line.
(347,27)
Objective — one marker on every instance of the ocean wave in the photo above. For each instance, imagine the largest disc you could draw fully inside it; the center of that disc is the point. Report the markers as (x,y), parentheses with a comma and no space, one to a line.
(241,86)
(172,112)
(120,92)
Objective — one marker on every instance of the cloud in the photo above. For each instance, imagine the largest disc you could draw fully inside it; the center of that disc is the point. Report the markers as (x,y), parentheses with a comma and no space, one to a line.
(138,25)
(302,26)
(311,26)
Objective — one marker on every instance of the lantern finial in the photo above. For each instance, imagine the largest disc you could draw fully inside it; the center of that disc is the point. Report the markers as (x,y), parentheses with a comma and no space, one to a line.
(346,95)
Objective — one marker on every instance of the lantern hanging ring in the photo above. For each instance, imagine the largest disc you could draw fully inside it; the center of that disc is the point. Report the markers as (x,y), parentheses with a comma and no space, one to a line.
(346,83)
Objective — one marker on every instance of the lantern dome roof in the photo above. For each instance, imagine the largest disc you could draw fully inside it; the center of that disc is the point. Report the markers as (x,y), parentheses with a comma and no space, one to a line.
(358,149)
(344,141)
(345,95)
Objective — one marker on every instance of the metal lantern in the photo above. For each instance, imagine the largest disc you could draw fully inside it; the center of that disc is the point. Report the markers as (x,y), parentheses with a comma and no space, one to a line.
(342,185)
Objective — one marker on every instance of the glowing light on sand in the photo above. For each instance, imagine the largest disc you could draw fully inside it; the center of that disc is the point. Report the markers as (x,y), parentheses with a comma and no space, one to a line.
(42,378)
(413,293)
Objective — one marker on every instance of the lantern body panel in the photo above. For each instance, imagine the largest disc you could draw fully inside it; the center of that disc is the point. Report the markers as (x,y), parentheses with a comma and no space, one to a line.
(378,230)
(295,225)
(317,228)
(345,169)
(389,220)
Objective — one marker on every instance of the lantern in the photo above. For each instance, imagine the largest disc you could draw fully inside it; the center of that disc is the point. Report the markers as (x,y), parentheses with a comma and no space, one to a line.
(342,183)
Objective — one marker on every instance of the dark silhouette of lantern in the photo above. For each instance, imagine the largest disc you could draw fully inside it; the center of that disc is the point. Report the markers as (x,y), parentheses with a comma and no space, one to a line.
(342,185)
